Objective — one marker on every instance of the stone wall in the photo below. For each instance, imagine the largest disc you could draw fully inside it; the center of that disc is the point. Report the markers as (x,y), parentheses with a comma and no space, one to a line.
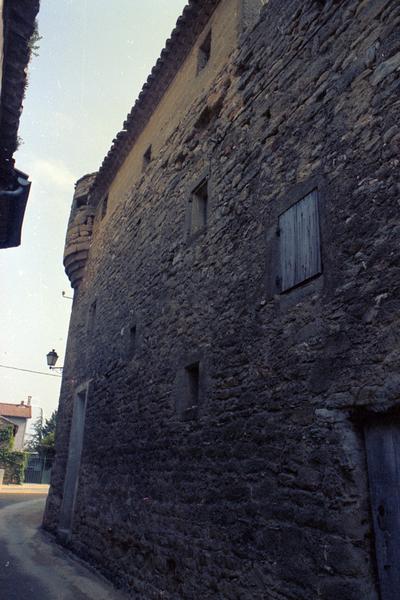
(261,493)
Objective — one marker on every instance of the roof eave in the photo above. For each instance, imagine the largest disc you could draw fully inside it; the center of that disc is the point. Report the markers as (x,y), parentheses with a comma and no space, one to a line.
(19,25)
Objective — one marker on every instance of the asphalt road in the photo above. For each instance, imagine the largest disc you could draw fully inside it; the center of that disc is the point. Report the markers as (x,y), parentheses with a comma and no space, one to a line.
(7,499)
(33,566)
(15,583)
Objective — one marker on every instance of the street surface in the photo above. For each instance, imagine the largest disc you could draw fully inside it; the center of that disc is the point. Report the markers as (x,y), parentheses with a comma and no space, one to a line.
(33,566)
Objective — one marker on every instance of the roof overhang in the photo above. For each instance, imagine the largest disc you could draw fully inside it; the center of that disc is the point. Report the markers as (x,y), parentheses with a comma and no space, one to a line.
(5,420)
(18,22)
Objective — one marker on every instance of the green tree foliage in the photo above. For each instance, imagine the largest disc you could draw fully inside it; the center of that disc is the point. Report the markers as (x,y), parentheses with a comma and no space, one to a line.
(43,438)
(33,43)
(12,462)
(6,437)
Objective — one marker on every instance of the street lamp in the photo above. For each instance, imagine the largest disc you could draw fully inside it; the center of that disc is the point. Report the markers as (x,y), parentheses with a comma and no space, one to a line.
(52,358)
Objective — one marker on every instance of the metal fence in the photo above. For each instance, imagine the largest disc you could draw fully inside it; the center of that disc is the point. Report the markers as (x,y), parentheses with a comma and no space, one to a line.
(38,469)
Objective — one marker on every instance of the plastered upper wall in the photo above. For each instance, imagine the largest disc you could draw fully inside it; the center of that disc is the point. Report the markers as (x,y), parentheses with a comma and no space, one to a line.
(185,88)
(20,435)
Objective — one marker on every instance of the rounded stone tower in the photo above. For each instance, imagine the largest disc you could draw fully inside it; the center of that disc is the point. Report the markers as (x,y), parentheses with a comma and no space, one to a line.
(79,232)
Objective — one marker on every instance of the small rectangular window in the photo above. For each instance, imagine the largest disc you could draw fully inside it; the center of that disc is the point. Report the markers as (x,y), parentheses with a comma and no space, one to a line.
(299,242)
(104,206)
(198,208)
(189,391)
(204,53)
(147,157)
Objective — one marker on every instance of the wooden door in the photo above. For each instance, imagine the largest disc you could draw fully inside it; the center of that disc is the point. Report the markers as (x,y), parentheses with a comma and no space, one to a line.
(73,463)
(382,440)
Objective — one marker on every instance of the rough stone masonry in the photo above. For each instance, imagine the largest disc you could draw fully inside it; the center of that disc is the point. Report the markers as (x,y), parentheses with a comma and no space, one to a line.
(234,340)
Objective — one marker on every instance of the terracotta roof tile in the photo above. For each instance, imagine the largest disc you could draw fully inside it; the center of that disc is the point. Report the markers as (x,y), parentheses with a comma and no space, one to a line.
(15,410)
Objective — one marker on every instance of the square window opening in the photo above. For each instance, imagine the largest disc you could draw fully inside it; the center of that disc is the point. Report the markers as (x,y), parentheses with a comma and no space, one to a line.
(104,206)
(147,157)
(204,53)
(82,201)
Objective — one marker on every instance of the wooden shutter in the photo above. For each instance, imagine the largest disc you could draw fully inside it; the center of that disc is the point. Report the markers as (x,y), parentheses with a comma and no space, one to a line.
(300,245)
(382,441)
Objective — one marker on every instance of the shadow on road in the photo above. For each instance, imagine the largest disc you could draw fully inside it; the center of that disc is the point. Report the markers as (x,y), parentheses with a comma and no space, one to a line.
(32,566)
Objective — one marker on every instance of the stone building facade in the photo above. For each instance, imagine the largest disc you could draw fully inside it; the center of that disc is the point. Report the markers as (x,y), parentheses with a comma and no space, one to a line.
(228,423)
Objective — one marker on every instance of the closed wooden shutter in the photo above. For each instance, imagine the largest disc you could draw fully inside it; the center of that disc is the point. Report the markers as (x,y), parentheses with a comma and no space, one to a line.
(300,245)
(382,441)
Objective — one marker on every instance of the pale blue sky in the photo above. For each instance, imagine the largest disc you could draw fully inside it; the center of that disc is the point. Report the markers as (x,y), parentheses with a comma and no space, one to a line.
(93,60)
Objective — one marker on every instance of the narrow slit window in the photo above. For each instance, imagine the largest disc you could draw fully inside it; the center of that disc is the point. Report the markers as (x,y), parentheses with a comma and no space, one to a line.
(204,53)
(92,318)
(147,157)
(198,208)
(132,341)
(299,242)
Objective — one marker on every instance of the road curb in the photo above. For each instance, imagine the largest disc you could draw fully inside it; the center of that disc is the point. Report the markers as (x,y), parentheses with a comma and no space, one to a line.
(24,489)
